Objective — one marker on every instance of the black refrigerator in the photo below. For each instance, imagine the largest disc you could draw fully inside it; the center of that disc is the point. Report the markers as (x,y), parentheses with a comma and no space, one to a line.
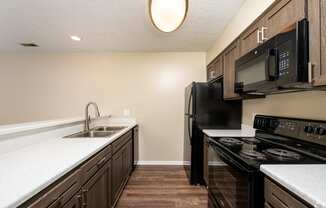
(205,108)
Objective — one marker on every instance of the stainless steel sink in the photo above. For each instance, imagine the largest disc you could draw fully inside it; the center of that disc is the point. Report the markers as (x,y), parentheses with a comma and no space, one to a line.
(97,132)
(109,128)
(92,134)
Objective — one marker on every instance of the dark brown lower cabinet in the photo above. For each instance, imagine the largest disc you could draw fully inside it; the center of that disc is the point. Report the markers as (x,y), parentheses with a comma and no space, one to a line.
(96,192)
(121,168)
(97,183)
(117,174)
(128,159)
(278,197)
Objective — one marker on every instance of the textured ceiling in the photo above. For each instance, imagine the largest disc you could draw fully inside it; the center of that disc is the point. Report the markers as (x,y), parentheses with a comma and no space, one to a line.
(108,25)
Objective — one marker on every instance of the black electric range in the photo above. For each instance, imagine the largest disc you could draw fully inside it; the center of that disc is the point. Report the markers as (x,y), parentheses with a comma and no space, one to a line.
(233,163)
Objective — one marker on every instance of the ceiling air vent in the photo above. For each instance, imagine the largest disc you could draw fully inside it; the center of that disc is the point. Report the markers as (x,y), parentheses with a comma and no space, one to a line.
(29,45)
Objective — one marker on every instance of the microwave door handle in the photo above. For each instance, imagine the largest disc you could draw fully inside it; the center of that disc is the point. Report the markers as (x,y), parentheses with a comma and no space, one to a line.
(272,67)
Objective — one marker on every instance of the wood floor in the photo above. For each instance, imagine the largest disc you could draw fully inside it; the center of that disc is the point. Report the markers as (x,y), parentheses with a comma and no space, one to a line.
(161,187)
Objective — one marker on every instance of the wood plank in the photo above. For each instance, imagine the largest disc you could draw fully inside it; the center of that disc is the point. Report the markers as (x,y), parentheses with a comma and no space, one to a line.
(160,187)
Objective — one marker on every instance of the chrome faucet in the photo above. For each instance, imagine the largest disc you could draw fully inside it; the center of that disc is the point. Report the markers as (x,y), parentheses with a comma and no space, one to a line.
(88,117)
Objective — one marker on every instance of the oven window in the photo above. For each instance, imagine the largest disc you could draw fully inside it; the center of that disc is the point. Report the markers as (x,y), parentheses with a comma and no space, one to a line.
(228,186)
(252,72)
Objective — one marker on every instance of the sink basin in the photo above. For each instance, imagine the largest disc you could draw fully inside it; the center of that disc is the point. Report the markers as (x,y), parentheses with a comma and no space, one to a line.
(109,128)
(92,134)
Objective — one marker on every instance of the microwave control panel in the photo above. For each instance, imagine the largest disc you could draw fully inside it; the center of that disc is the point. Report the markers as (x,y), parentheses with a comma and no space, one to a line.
(284,63)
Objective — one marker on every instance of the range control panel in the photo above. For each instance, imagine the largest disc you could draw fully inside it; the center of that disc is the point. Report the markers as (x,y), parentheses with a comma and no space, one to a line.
(308,130)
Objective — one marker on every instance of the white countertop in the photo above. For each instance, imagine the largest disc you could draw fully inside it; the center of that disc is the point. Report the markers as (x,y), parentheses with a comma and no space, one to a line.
(30,169)
(306,181)
(245,131)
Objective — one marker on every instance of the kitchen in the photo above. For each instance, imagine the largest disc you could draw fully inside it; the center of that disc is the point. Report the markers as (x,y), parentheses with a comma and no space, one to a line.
(136,153)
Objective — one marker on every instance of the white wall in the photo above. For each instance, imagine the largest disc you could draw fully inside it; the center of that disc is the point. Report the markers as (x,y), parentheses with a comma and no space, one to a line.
(48,86)
(302,104)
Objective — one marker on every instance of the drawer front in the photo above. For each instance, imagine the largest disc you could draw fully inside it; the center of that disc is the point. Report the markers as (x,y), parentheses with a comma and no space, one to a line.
(95,163)
(277,197)
(121,141)
(61,193)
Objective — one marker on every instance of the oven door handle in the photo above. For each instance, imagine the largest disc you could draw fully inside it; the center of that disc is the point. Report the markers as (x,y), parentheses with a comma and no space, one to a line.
(228,160)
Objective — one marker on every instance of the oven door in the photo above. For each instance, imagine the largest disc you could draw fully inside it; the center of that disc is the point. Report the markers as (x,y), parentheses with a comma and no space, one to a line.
(230,184)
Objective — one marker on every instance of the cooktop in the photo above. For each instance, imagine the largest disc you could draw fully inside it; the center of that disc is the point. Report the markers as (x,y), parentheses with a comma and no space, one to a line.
(277,141)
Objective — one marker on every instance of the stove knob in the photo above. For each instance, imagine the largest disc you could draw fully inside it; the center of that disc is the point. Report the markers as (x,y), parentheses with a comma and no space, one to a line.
(308,129)
(321,131)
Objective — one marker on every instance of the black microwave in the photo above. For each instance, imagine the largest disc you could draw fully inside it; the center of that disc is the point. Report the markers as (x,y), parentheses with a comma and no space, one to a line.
(281,63)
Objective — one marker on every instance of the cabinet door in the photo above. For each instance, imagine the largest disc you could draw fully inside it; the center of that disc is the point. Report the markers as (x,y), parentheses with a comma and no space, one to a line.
(283,15)
(251,37)
(109,183)
(95,191)
(135,146)
(231,54)
(219,66)
(117,174)
(127,157)
(215,68)
(211,72)
(317,40)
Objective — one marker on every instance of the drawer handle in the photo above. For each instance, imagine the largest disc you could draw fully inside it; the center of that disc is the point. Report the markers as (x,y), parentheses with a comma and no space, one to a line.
(101,162)
(84,196)
(79,200)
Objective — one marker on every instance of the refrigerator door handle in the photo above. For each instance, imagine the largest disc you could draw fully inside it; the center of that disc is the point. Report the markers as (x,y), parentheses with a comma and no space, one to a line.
(189,103)
(189,133)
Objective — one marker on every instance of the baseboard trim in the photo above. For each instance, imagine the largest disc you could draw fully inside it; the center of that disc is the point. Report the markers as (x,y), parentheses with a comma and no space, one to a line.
(159,163)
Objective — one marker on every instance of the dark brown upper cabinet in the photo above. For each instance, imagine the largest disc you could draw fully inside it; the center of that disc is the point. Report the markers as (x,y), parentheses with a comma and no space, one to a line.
(215,69)
(317,40)
(283,15)
(230,55)
(252,37)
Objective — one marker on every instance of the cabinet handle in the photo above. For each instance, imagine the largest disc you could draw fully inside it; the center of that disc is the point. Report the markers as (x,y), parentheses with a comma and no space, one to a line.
(101,162)
(310,68)
(79,200)
(258,37)
(263,38)
(212,74)
(84,196)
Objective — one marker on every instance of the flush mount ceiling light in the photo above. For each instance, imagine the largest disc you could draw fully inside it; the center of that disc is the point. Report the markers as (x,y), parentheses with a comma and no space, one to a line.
(75,38)
(168,15)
